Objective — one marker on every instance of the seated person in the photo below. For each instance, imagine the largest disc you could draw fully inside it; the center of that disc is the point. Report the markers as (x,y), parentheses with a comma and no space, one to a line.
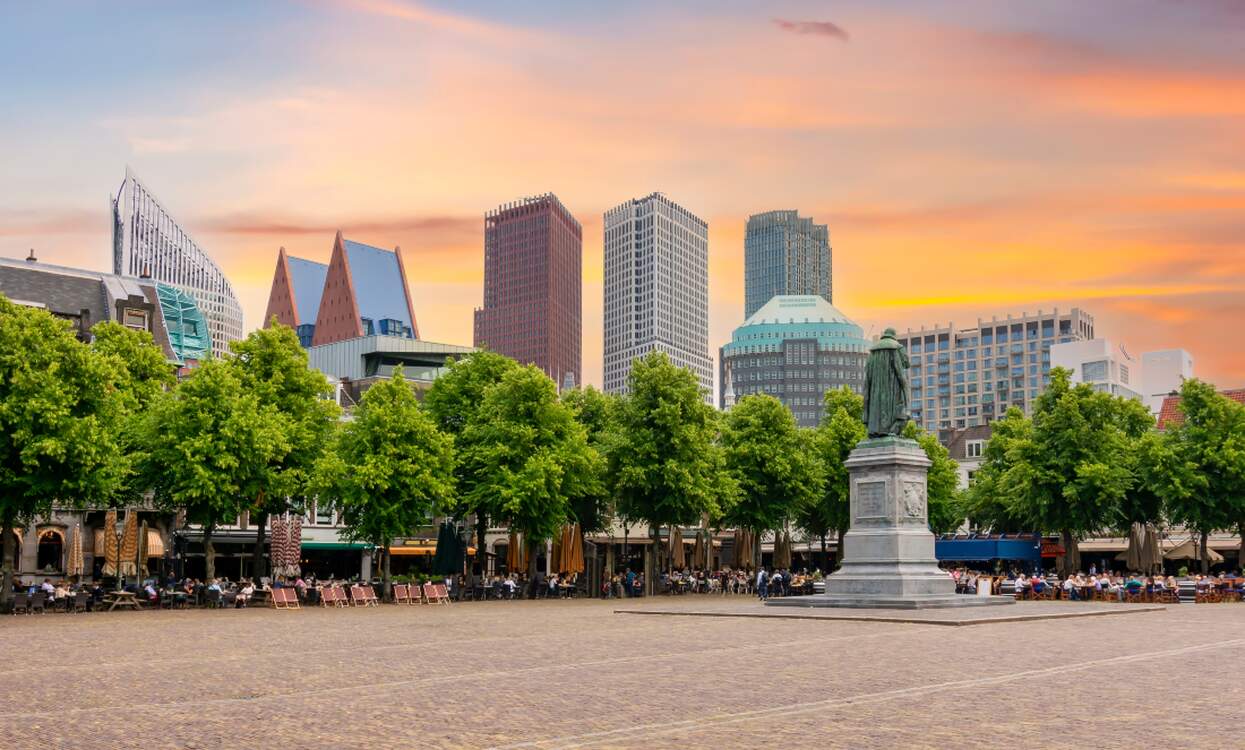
(1038,584)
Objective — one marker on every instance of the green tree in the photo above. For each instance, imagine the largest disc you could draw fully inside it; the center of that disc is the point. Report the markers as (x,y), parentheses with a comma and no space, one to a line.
(986,501)
(58,414)
(454,401)
(390,468)
(595,411)
(946,511)
(272,366)
(666,467)
(1206,487)
(772,464)
(143,375)
(841,429)
(528,456)
(208,448)
(1071,472)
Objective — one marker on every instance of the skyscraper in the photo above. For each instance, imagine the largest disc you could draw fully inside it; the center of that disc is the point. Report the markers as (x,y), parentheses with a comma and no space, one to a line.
(656,289)
(147,242)
(784,253)
(533,258)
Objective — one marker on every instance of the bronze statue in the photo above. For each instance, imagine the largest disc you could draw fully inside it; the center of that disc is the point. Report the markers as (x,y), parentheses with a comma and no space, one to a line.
(886,387)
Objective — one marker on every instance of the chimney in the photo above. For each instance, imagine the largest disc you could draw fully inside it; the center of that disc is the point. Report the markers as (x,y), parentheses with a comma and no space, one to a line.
(31,258)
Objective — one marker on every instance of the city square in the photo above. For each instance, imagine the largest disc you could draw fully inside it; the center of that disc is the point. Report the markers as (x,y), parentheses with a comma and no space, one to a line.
(732,374)
(578,674)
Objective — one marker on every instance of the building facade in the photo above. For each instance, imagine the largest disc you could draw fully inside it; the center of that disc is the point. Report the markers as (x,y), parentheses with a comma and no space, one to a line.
(656,289)
(148,242)
(963,377)
(785,253)
(1164,371)
(88,297)
(533,257)
(362,291)
(1101,364)
(796,347)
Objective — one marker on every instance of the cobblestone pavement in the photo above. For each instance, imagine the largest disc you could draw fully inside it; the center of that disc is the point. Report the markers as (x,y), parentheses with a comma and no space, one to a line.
(574,674)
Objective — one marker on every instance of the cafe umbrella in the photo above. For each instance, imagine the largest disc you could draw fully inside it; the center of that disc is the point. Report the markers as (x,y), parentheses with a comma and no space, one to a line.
(111,547)
(141,563)
(129,545)
(677,558)
(74,567)
(448,559)
(277,540)
(294,546)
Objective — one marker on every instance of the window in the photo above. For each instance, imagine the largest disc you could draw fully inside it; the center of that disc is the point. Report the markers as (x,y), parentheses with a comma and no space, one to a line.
(972,449)
(135,318)
(1092,371)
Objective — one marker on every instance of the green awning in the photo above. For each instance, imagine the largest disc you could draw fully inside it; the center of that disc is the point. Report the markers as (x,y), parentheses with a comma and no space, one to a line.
(335,545)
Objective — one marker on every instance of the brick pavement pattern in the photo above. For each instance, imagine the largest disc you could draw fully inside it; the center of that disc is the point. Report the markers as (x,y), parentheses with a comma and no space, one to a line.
(575,675)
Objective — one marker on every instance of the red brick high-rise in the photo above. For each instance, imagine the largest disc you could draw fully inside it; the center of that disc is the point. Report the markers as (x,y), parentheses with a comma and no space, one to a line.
(533,253)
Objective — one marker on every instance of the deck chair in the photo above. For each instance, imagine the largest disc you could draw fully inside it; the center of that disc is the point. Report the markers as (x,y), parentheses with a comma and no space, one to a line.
(401,593)
(443,595)
(277,598)
(369,596)
(430,594)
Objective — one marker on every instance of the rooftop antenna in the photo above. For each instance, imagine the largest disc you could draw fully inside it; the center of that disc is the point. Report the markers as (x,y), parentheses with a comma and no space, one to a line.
(31,258)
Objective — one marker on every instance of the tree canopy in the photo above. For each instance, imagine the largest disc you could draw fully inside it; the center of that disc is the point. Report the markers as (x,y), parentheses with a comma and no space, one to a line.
(840,430)
(209,448)
(594,410)
(390,469)
(61,408)
(666,471)
(775,468)
(946,511)
(528,455)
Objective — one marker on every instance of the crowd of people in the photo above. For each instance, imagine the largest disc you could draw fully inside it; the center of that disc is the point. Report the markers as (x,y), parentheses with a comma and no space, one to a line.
(1093,585)
(763,583)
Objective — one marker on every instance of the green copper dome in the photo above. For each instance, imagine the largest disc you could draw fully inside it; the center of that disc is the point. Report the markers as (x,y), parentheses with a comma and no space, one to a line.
(796,316)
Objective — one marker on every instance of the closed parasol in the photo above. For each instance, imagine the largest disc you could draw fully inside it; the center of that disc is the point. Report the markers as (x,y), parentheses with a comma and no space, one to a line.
(448,559)
(276,545)
(677,557)
(294,546)
(74,567)
(129,545)
(516,560)
(111,547)
(698,552)
(575,542)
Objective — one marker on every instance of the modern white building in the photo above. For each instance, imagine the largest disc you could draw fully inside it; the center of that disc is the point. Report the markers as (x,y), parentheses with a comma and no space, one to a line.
(1112,369)
(148,243)
(1164,371)
(656,289)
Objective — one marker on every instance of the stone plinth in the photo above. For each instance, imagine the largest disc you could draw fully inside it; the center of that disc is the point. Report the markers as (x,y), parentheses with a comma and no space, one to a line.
(888,555)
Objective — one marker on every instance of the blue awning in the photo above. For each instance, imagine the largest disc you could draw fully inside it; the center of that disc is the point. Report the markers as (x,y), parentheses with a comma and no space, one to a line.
(987,548)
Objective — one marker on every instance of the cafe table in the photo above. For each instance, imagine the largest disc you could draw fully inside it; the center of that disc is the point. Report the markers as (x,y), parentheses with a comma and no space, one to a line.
(121,599)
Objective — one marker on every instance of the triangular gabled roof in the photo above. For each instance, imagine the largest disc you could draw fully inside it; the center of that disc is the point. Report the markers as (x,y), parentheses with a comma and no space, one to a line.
(362,282)
(297,286)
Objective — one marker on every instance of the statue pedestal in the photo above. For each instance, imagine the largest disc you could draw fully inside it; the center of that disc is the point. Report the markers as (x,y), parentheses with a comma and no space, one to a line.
(888,555)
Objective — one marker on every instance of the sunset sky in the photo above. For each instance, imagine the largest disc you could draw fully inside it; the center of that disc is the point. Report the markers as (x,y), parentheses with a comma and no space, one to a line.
(971,158)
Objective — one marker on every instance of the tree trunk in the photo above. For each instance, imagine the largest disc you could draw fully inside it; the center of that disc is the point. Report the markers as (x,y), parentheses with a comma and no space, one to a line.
(257,553)
(1071,555)
(10,550)
(531,566)
(386,591)
(209,553)
(481,533)
(825,556)
(650,562)
(1205,552)
(838,555)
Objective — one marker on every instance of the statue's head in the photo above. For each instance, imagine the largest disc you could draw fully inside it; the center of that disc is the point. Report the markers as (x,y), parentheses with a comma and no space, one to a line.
(889,333)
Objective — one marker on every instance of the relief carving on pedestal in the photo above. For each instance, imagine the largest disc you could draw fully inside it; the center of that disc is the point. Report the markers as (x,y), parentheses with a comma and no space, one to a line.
(914,499)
